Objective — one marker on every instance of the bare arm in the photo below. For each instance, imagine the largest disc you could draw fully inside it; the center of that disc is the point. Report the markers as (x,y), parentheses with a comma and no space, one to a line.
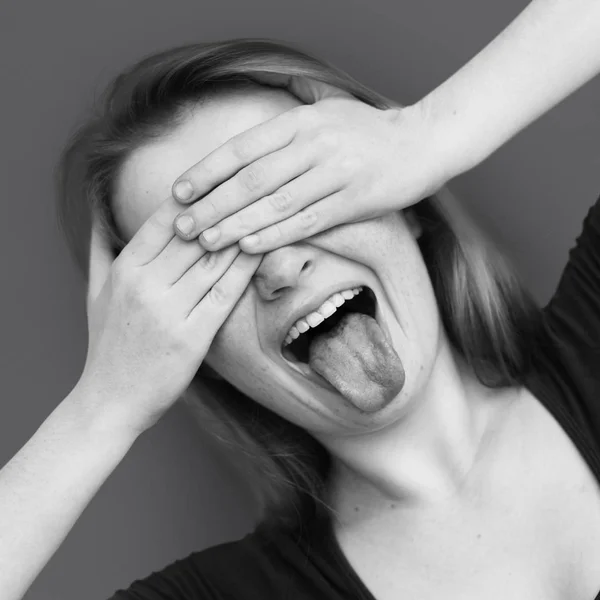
(550,50)
(148,335)
(46,486)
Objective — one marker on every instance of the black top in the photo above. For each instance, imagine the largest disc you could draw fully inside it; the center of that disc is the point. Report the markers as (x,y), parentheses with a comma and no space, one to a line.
(310,564)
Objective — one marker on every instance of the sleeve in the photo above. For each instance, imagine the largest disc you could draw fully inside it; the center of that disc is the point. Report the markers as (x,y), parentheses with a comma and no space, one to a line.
(572,321)
(574,310)
(239,569)
(181,580)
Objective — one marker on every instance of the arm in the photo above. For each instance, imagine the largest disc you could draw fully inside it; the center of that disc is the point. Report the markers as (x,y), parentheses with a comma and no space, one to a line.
(549,51)
(45,487)
(144,349)
(397,157)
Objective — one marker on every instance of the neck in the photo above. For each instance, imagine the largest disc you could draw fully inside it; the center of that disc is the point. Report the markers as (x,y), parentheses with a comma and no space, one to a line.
(426,455)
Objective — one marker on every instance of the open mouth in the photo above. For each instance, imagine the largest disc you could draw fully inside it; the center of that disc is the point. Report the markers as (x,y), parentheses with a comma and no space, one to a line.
(365,302)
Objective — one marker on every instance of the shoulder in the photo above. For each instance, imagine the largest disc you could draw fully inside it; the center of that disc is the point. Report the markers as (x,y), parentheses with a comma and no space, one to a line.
(572,316)
(255,566)
(570,352)
(206,574)
(574,309)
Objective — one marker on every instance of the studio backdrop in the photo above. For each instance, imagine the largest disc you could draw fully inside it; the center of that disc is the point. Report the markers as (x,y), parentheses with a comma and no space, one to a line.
(173,493)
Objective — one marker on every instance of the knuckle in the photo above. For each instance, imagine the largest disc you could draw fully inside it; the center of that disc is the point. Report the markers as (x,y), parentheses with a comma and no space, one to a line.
(241,149)
(137,297)
(348,165)
(204,211)
(208,261)
(208,204)
(203,171)
(273,233)
(327,139)
(180,338)
(218,294)
(281,201)
(308,219)
(242,223)
(251,178)
(306,114)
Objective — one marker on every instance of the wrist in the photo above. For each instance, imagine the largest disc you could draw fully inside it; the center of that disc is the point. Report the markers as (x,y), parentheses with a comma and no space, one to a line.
(458,144)
(98,414)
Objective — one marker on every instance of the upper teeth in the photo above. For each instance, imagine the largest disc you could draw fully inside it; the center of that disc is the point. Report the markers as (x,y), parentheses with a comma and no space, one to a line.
(314,319)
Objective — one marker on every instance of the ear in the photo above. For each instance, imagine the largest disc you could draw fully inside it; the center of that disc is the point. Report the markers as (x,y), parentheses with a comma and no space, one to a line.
(306,89)
(414,225)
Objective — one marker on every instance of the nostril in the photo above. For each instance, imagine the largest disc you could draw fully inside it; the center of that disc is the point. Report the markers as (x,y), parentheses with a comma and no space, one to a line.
(279,291)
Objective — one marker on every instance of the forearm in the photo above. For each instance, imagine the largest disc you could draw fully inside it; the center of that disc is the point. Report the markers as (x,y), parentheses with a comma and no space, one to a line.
(45,487)
(550,50)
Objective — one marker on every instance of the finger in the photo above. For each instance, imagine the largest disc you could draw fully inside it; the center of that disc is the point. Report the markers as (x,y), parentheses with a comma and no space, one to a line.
(234,154)
(272,79)
(153,236)
(312,186)
(311,90)
(195,283)
(214,308)
(203,275)
(100,261)
(306,89)
(248,185)
(317,217)
(177,257)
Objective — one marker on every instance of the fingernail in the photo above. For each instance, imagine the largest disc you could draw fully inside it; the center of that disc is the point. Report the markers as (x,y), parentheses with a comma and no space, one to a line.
(251,240)
(184,190)
(211,235)
(185,224)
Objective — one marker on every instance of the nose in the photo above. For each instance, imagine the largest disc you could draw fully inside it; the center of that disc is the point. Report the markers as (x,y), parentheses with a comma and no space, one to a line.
(282,270)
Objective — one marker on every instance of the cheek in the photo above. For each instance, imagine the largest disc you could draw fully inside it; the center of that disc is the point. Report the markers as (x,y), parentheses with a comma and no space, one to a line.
(379,239)
(386,245)
(390,249)
(236,343)
(236,355)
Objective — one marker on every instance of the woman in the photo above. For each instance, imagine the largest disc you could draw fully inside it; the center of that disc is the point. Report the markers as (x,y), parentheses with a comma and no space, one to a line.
(403,436)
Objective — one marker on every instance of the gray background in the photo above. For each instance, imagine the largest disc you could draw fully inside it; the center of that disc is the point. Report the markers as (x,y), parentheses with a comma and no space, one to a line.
(172,494)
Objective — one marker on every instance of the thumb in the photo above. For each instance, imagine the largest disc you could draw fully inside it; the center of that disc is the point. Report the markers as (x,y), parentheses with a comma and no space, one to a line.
(100,262)
(306,89)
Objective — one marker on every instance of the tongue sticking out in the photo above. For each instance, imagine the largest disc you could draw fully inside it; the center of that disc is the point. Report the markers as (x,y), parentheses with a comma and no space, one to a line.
(356,358)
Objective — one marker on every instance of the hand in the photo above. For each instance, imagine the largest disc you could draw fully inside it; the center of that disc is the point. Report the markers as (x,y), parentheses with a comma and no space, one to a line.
(336,161)
(152,315)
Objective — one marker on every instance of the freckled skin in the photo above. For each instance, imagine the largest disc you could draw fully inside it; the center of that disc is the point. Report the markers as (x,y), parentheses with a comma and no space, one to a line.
(375,454)
(245,351)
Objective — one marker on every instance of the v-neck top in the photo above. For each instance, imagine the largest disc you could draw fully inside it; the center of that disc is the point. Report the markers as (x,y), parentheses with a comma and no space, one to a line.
(310,564)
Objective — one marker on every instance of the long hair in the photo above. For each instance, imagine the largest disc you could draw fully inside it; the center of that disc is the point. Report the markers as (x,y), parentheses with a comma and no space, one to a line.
(489,316)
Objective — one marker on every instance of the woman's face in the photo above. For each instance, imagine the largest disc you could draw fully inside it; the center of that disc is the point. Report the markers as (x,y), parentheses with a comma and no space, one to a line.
(379,253)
